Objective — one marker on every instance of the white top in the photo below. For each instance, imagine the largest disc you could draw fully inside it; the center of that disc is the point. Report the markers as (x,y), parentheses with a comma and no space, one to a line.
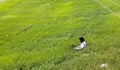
(81,46)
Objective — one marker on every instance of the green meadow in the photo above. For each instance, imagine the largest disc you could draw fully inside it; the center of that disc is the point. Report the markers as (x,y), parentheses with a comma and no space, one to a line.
(37,34)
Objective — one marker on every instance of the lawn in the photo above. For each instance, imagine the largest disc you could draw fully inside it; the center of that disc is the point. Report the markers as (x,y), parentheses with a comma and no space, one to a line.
(37,34)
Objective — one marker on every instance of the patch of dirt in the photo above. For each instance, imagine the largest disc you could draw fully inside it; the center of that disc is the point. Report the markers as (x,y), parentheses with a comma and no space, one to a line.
(2,0)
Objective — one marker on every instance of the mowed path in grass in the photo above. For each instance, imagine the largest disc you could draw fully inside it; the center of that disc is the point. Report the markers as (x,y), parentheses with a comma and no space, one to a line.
(38,34)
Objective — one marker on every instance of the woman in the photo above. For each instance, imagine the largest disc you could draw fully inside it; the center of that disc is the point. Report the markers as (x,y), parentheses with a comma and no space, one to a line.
(82,45)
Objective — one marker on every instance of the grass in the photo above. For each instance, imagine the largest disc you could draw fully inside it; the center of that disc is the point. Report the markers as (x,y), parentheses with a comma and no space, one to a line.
(37,35)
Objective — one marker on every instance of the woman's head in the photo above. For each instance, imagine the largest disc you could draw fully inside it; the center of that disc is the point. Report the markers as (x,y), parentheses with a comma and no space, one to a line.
(81,39)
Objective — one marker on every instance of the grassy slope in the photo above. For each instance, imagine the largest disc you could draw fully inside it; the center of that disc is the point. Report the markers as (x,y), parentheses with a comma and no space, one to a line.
(38,34)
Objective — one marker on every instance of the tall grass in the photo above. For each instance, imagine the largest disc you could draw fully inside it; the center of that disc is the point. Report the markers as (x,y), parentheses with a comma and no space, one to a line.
(37,35)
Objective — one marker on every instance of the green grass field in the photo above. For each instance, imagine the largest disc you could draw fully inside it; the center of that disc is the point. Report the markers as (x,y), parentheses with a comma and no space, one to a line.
(37,34)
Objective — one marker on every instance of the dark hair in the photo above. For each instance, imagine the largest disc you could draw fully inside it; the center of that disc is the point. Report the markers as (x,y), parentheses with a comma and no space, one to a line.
(81,39)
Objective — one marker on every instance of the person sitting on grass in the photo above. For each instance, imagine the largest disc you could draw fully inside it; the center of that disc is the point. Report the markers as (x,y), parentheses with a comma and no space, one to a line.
(82,44)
